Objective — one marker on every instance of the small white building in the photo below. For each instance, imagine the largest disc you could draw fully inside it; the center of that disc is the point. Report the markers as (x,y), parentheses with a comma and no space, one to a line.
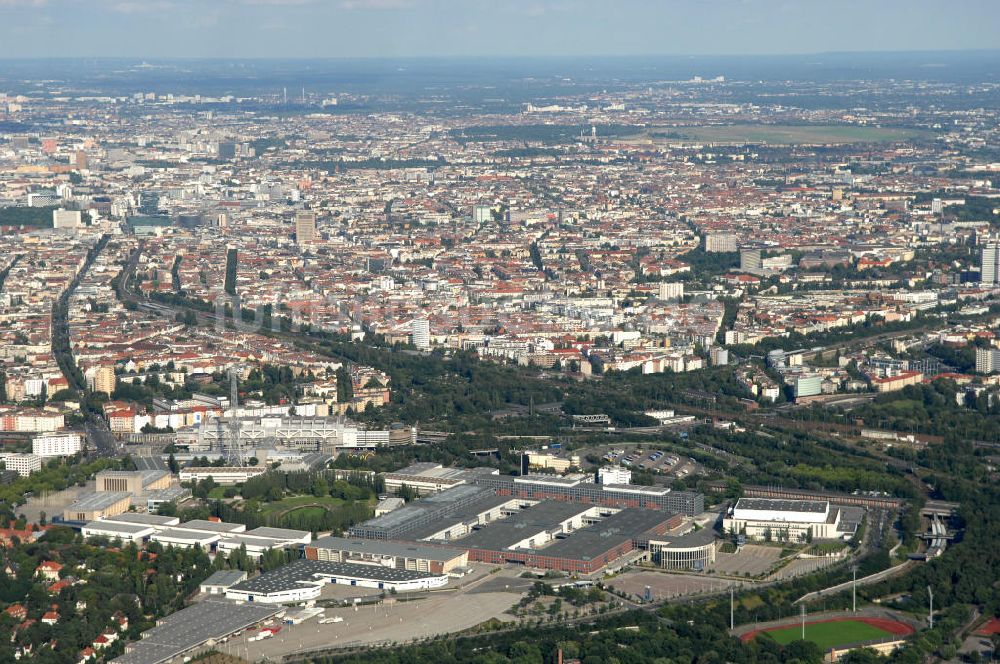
(261,540)
(614,475)
(126,532)
(387,505)
(219,582)
(226,475)
(303,580)
(182,538)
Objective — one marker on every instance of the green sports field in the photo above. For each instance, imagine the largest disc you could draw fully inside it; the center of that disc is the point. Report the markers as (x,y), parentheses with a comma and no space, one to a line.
(827,635)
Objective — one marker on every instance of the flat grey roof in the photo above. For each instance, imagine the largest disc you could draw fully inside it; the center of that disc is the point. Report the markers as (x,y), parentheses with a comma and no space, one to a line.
(212,526)
(383,548)
(150,463)
(172,493)
(542,478)
(225,578)
(440,501)
(97,500)
(539,518)
(397,517)
(277,533)
(419,468)
(184,534)
(612,531)
(455,494)
(115,527)
(782,505)
(458,515)
(636,488)
(191,627)
(309,572)
(142,518)
(691,538)
(243,538)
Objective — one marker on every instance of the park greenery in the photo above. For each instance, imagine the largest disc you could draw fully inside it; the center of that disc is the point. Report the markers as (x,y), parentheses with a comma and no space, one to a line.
(37,217)
(106,584)
(315,501)
(56,475)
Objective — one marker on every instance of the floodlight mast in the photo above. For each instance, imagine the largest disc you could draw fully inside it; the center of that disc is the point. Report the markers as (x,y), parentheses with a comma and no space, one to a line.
(854,589)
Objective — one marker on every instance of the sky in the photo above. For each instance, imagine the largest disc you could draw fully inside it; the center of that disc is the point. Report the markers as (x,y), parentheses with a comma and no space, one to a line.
(465,28)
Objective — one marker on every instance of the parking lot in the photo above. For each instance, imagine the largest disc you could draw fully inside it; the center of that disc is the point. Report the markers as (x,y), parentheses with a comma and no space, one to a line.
(658,460)
(666,586)
(395,620)
(751,560)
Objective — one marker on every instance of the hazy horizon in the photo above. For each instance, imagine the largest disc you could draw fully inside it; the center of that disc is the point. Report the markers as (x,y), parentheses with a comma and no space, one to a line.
(501,56)
(313,29)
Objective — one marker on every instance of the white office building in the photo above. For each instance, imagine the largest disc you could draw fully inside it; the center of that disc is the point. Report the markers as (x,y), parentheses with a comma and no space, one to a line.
(670,290)
(989,273)
(420,333)
(305,228)
(750,260)
(987,360)
(482,214)
(66,444)
(70,219)
(22,464)
(808,385)
(719,356)
(720,242)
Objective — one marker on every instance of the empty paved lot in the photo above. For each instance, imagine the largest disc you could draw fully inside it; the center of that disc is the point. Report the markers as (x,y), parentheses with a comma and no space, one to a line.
(751,560)
(441,613)
(53,503)
(665,586)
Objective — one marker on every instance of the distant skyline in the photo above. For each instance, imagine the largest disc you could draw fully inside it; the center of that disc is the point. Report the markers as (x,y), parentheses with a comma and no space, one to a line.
(414,28)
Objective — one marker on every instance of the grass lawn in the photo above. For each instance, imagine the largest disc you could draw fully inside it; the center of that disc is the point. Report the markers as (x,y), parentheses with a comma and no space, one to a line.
(217,493)
(830,634)
(302,501)
(307,511)
(786,134)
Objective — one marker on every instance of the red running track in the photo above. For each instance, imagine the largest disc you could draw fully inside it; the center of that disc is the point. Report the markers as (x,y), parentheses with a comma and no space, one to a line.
(990,628)
(892,626)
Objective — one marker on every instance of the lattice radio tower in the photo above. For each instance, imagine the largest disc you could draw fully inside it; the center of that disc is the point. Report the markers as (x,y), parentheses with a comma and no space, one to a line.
(234,451)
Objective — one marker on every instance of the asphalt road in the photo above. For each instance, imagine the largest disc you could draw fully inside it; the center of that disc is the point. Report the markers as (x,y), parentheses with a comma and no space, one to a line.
(102,442)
